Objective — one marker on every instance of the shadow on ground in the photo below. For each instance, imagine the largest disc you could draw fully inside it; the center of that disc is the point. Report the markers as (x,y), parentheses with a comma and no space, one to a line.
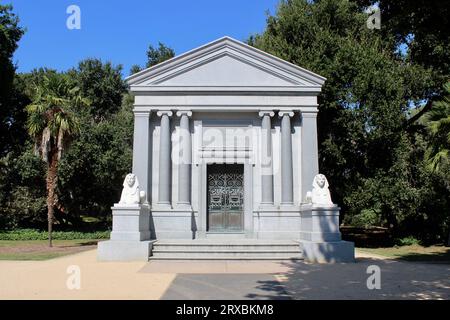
(225,287)
(399,280)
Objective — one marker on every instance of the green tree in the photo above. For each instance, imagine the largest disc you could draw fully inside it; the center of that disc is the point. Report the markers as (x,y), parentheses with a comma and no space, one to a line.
(158,55)
(363,106)
(53,123)
(102,84)
(135,68)
(437,121)
(420,28)
(92,171)
(154,56)
(11,100)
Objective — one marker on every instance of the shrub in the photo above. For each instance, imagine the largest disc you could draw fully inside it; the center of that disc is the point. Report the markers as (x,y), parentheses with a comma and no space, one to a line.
(365,219)
(32,234)
(407,241)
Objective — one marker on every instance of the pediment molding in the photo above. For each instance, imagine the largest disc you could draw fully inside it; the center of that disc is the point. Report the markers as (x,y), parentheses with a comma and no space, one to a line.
(225,65)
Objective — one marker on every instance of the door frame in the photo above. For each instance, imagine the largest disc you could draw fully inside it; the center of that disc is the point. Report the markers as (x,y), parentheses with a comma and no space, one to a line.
(248,198)
(240,170)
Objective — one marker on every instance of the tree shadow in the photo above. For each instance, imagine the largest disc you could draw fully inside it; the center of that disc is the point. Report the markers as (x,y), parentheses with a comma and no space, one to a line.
(432,257)
(399,280)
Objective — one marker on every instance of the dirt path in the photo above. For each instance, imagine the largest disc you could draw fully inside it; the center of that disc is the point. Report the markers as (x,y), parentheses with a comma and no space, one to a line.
(98,280)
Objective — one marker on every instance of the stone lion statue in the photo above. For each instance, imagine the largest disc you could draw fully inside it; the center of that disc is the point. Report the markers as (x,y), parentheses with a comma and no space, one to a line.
(320,195)
(130,191)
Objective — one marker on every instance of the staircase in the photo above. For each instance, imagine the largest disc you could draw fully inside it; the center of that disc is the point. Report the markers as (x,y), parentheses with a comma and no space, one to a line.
(226,249)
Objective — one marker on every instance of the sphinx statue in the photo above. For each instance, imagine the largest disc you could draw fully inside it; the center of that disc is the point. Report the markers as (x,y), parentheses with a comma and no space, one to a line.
(320,194)
(130,192)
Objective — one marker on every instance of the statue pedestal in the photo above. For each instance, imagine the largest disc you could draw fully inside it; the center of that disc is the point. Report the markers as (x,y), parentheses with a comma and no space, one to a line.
(130,236)
(320,238)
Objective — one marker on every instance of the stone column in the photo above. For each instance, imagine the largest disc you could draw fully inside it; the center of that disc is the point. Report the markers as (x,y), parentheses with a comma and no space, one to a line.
(266,158)
(184,168)
(141,150)
(309,151)
(165,163)
(287,190)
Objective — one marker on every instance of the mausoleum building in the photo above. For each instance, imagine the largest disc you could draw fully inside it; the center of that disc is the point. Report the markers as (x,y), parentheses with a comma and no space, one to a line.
(225,148)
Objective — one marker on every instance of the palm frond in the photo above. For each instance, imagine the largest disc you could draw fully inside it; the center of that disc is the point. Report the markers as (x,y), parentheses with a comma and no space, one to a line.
(51,117)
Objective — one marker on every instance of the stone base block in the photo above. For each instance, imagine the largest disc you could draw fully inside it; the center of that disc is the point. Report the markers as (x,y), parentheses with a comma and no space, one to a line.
(173,224)
(326,252)
(281,223)
(116,250)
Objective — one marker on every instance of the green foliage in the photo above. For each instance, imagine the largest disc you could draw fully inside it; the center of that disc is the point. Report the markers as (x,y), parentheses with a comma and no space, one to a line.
(437,121)
(12,115)
(374,166)
(32,234)
(365,219)
(135,69)
(102,84)
(52,118)
(10,34)
(91,174)
(158,55)
(422,27)
(155,56)
(407,241)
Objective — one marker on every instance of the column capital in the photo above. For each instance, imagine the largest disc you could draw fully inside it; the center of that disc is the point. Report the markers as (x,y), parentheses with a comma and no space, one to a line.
(283,113)
(168,113)
(309,114)
(141,113)
(263,113)
(184,113)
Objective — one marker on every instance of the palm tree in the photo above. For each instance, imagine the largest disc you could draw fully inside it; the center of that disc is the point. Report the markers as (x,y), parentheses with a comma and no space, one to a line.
(437,121)
(53,123)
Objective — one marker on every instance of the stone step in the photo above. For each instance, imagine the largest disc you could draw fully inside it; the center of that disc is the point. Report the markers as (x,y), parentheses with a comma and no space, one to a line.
(208,247)
(234,249)
(271,258)
(231,235)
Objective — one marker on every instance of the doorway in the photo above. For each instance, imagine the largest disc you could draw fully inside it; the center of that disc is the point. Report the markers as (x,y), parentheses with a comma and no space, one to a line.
(225,195)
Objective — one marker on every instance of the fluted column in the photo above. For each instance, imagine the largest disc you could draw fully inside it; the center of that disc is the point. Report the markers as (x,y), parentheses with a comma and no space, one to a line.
(141,150)
(184,168)
(165,163)
(266,158)
(287,190)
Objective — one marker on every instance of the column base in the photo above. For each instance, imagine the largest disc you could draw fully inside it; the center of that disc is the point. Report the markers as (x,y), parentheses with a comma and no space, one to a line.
(183,206)
(173,224)
(162,207)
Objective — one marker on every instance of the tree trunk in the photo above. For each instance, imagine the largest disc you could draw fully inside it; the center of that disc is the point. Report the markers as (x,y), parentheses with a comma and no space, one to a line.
(51,186)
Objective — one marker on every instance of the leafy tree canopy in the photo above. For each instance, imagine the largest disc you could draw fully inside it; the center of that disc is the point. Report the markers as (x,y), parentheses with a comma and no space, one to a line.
(102,84)
(158,55)
(12,116)
(364,104)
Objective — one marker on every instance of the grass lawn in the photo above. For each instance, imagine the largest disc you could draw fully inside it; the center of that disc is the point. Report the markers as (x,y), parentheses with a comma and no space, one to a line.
(412,253)
(39,249)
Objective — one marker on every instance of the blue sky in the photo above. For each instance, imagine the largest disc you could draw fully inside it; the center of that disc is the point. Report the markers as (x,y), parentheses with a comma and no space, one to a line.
(120,31)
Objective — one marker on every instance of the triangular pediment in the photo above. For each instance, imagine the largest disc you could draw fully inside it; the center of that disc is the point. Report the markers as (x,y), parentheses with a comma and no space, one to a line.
(223,64)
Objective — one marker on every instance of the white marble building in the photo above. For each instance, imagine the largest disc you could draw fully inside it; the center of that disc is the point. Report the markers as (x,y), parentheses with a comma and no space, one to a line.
(225,145)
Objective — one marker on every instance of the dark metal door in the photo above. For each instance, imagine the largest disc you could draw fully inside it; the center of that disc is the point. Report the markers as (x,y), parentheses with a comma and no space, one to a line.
(225,197)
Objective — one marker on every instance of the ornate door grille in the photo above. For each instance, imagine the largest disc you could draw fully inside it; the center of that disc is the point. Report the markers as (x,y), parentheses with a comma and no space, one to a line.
(225,197)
